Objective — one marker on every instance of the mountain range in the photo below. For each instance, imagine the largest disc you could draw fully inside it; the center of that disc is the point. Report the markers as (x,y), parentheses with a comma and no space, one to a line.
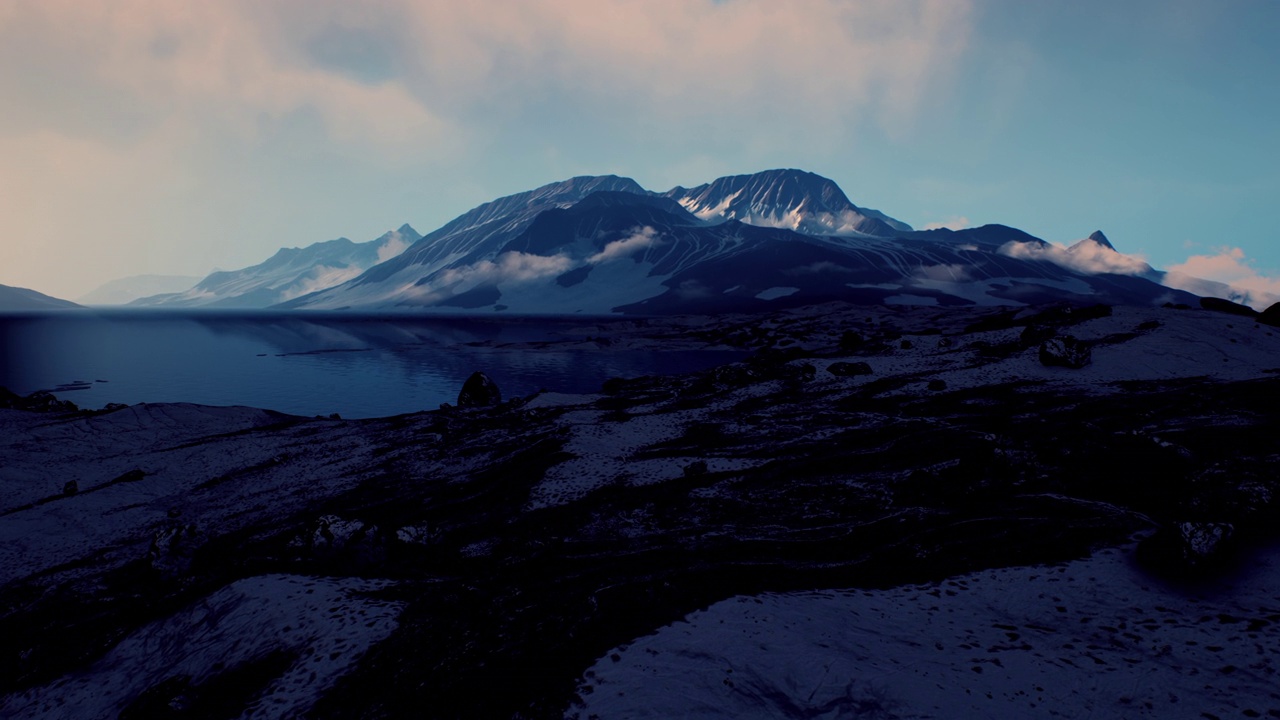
(605,245)
(123,291)
(290,273)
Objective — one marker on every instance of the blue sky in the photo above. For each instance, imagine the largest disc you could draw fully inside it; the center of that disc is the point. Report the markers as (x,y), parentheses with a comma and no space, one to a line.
(149,136)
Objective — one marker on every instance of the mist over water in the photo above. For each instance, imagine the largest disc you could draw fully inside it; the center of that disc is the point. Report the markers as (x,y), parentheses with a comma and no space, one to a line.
(355,366)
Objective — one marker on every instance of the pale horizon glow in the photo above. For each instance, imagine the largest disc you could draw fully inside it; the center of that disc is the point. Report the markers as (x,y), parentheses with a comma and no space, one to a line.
(152,137)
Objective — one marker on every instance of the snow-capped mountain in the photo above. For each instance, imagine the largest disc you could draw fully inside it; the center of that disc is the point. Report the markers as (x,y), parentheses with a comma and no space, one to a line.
(791,199)
(290,273)
(126,290)
(605,245)
(16,299)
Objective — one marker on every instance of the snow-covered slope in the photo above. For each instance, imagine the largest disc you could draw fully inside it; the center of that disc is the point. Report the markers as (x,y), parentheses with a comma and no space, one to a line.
(290,273)
(1092,638)
(16,299)
(126,290)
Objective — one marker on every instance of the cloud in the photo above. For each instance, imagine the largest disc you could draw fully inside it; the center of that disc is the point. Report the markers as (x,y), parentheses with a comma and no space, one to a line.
(511,266)
(1227,274)
(1086,257)
(393,246)
(640,239)
(944,273)
(186,134)
(955,222)
(320,278)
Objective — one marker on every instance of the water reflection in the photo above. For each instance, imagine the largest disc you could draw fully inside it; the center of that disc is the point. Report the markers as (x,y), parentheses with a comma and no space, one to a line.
(356,366)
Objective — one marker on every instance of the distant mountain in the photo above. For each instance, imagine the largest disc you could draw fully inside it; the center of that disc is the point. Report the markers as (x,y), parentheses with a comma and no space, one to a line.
(16,299)
(126,290)
(290,273)
(748,242)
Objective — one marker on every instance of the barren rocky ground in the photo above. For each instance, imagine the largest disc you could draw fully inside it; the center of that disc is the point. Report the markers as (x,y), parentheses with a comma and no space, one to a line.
(188,561)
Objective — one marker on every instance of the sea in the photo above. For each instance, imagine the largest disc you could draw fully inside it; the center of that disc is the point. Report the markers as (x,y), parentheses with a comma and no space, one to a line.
(304,364)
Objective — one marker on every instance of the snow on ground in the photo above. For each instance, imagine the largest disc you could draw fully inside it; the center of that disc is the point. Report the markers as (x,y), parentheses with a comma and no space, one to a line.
(1092,638)
(602,451)
(324,624)
(1170,344)
(148,467)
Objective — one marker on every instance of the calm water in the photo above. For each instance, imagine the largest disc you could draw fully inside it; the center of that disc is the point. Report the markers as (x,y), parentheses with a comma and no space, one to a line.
(359,367)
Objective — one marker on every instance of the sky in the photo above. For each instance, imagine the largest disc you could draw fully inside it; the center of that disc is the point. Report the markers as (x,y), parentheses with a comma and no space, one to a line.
(170,137)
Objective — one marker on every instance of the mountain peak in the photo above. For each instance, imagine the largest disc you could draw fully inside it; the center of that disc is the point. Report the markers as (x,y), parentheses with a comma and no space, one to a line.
(786,198)
(1101,239)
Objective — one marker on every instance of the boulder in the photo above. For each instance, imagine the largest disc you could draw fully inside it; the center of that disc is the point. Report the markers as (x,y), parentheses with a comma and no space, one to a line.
(1270,316)
(479,391)
(173,547)
(1065,351)
(1189,550)
(1033,335)
(848,369)
(851,341)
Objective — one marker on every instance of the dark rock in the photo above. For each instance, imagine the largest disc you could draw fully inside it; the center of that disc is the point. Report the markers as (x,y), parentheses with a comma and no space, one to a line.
(112,407)
(172,548)
(1065,351)
(479,391)
(133,475)
(907,345)
(38,401)
(999,321)
(848,369)
(1036,334)
(1228,307)
(1270,316)
(695,468)
(937,385)
(1189,550)
(851,341)
(71,487)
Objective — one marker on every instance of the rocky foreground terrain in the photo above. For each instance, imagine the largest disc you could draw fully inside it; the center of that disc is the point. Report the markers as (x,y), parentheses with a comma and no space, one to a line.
(881,512)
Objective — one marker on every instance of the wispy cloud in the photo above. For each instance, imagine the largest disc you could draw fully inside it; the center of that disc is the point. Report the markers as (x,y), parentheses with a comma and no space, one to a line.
(955,222)
(393,246)
(944,273)
(1228,274)
(511,266)
(1085,257)
(640,239)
